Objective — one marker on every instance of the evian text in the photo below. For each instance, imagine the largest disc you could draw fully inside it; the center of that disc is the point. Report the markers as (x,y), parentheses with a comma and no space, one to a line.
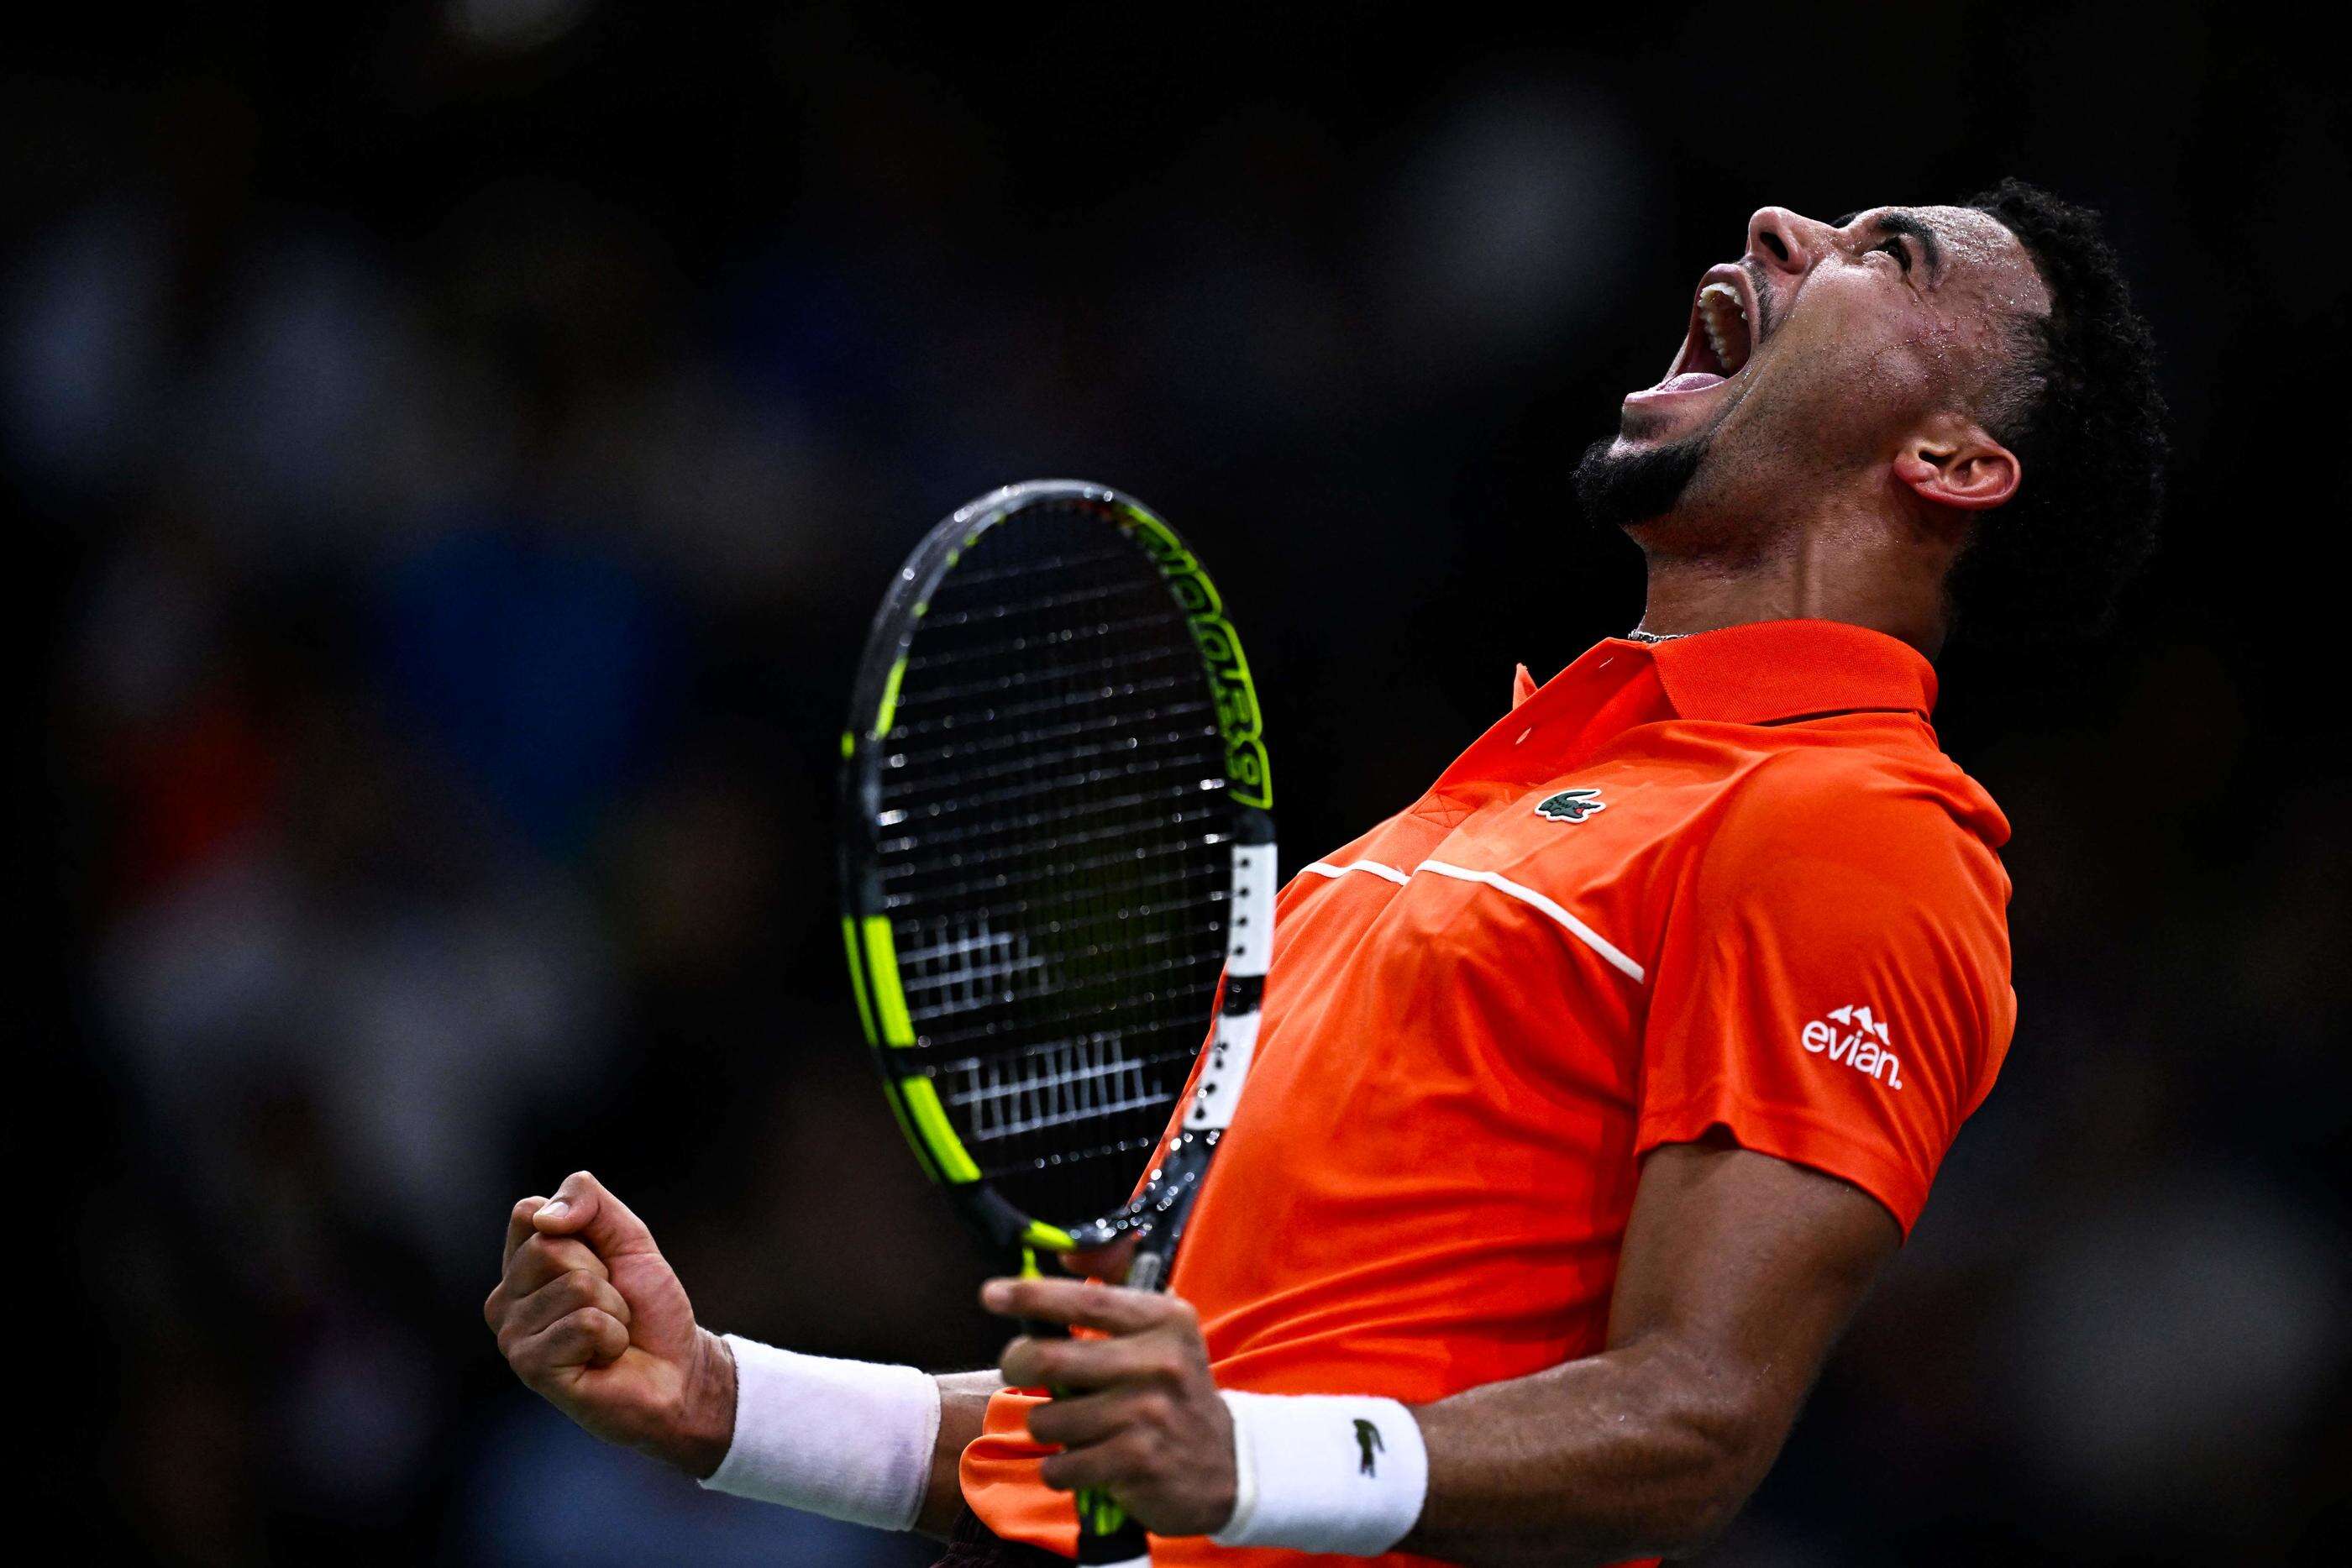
(1852,1036)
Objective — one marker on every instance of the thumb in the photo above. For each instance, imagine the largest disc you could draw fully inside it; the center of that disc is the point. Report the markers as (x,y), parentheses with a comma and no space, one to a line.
(585,1207)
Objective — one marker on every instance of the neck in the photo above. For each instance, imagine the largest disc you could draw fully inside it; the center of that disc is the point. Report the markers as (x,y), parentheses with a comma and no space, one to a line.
(1867,566)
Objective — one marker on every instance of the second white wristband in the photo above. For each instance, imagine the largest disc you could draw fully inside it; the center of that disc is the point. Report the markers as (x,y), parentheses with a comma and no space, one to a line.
(847,1439)
(1321,1472)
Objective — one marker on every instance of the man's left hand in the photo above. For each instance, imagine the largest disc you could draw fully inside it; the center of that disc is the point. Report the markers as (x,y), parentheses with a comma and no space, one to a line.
(1137,1413)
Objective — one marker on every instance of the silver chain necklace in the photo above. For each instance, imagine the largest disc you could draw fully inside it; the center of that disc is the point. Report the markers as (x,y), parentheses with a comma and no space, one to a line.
(1638,635)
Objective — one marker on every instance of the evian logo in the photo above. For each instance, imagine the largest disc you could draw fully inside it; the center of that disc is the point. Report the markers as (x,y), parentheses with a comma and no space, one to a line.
(1852,1036)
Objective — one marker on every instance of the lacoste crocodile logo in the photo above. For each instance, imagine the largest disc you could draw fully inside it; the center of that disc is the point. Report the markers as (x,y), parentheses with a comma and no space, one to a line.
(1571,805)
(1368,1443)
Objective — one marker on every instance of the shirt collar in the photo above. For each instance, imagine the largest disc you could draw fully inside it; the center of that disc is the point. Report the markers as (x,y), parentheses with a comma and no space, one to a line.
(1770,670)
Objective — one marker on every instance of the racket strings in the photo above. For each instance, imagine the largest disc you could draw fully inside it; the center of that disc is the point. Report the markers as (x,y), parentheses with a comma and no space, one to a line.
(1065,837)
(1038,644)
(1014,609)
(1021,908)
(1109,928)
(969,575)
(1054,855)
(1032,786)
(998,687)
(974,991)
(1031,886)
(1085,1079)
(1050,733)
(1068,845)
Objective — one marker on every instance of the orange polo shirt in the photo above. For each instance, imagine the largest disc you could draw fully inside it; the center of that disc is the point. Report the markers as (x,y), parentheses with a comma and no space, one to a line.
(1724,882)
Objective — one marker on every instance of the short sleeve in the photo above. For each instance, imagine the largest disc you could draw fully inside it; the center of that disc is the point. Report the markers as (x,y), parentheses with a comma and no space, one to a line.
(1833,984)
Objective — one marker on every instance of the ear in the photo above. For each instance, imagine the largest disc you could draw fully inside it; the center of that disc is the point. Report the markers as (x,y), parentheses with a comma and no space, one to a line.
(1953,463)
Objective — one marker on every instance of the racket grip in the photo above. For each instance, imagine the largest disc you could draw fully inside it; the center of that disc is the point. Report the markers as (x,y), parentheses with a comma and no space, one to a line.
(1108,1536)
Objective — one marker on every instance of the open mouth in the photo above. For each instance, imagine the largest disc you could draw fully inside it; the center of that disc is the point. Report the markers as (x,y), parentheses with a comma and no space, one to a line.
(1721,338)
(1721,345)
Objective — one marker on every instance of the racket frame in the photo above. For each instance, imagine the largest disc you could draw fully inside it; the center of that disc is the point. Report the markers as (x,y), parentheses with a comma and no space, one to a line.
(871,947)
(1158,1212)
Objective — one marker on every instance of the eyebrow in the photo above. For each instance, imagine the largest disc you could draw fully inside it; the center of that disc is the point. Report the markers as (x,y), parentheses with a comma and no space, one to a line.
(1896,221)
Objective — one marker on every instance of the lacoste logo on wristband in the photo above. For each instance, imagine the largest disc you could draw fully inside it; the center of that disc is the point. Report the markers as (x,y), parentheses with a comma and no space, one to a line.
(1299,1485)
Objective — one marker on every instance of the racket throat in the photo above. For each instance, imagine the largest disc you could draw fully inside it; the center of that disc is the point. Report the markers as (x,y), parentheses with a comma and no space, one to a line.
(1219,1092)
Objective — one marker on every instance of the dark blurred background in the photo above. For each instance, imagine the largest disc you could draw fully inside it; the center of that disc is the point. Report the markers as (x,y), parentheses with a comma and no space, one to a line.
(453,449)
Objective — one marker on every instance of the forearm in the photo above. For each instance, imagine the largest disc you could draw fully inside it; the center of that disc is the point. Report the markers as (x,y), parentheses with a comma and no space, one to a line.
(964,1407)
(1639,1451)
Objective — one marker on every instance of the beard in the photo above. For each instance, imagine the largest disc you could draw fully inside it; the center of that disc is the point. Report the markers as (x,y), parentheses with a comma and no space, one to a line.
(1624,491)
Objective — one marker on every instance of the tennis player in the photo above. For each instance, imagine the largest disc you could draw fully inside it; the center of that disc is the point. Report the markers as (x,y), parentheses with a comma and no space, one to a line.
(1597,1085)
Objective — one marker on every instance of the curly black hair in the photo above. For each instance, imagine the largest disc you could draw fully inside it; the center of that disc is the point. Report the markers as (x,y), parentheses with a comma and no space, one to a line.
(2079,407)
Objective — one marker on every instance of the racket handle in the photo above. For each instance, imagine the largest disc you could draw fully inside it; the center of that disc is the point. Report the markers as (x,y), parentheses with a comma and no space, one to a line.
(1108,1536)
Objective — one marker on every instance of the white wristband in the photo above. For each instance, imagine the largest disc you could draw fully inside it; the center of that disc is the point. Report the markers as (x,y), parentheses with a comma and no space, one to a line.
(1321,1472)
(848,1440)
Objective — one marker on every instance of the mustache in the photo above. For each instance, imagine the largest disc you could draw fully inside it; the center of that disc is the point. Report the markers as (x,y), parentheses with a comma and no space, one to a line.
(1757,283)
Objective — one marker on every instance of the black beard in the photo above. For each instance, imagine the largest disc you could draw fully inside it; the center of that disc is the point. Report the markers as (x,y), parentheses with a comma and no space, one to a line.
(1623,492)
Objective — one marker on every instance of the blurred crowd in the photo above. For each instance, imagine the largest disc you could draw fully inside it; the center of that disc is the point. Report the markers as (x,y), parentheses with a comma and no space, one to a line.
(455,447)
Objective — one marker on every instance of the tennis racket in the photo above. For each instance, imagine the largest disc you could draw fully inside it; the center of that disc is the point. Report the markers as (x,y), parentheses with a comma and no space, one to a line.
(1056,835)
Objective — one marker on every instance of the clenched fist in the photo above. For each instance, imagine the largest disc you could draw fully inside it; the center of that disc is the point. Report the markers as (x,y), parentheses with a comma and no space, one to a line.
(591,1318)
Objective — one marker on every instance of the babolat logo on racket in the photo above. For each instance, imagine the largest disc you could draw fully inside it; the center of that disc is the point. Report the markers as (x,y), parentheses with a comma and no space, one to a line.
(1238,719)
(1571,805)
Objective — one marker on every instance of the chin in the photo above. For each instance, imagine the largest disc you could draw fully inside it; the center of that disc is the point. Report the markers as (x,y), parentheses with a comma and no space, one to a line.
(1623,482)
(1644,426)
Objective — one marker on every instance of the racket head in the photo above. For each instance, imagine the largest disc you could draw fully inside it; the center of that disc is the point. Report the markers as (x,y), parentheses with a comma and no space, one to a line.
(1054,739)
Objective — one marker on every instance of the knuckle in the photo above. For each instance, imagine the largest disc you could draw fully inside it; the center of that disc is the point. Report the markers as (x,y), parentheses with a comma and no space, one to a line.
(575,1330)
(557,1254)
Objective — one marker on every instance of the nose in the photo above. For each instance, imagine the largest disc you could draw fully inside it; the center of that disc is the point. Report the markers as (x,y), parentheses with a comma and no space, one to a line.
(1786,242)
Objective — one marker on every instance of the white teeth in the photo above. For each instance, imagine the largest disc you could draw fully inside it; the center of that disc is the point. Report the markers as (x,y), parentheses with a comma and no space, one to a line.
(1713,301)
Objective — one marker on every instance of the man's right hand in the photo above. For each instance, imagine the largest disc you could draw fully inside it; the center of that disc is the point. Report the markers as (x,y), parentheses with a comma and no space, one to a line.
(591,1317)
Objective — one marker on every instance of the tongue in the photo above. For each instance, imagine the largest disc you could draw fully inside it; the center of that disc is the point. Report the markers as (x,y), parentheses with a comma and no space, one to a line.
(1689,380)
